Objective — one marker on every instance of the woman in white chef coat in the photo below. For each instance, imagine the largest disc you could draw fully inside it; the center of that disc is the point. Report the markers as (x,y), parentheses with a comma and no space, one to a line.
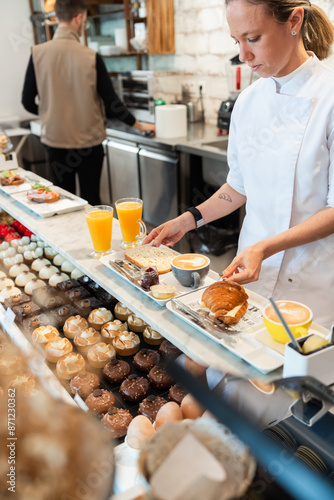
(280,155)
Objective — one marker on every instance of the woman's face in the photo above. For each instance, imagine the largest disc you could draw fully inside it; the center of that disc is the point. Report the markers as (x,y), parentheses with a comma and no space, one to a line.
(265,45)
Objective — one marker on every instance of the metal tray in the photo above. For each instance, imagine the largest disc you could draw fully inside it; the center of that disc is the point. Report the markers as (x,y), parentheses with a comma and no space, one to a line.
(250,339)
(165,279)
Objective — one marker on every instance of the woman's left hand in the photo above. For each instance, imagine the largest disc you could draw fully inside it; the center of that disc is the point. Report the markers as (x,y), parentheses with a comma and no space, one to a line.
(246,265)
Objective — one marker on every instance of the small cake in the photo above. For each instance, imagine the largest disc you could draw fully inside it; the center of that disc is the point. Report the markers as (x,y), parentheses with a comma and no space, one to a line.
(112,329)
(57,348)
(33,285)
(121,312)
(44,334)
(23,278)
(39,263)
(85,306)
(16,300)
(98,317)
(58,260)
(177,393)
(25,310)
(47,271)
(67,284)
(100,400)
(60,314)
(152,336)
(58,278)
(70,365)
(67,267)
(86,339)
(167,349)
(84,384)
(77,293)
(159,378)
(150,406)
(76,273)
(99,354)
(17,269)
(126,344)
(116,371)
(74,325)
(33,322)
(134,388)
(50,252)
(11,261)
(145,359)
(136,324)
(117,421)
(5,282)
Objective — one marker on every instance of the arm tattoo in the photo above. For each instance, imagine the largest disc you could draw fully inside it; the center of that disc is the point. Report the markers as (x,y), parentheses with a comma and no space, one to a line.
(226,197)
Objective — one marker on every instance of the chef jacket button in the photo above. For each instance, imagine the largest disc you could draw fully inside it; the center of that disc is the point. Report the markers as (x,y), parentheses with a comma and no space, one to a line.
(290,280)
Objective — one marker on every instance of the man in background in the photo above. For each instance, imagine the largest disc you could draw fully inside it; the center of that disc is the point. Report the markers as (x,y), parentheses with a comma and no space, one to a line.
(75,95)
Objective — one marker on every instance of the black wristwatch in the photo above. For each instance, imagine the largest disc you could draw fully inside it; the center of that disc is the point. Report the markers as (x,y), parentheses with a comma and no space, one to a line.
(197,216)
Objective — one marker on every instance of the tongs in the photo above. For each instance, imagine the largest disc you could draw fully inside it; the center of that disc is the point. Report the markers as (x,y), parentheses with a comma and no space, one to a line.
(128,273)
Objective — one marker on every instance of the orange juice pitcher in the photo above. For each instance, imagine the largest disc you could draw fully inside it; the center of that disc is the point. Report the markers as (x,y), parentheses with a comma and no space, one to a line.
(129,213)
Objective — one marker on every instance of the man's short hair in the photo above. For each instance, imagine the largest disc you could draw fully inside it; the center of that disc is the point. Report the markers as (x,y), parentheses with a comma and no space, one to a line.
(66,10)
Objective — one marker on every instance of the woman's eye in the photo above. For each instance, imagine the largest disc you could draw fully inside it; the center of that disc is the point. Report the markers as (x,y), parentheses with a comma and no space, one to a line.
(253,40)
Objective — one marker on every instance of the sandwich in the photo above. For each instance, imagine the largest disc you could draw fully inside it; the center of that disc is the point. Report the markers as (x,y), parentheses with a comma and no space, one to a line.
(42,194)
(226,300)
(10,178)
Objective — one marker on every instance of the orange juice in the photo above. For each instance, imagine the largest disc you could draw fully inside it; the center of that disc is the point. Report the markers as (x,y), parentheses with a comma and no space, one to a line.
(100,228)
(129,212)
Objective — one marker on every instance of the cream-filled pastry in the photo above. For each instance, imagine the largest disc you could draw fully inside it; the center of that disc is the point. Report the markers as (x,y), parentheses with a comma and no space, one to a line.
(76,273)
(5,282)
(47,271)
(31,255)
(67,266)
(126,344)
(70,365)
(74,325)
(100,354)
(84,340)
(32,285)
(98,317)
(9,291)
(112,329)
(23,278)
(57,348)
(39,263)
(58,278)
(58,260)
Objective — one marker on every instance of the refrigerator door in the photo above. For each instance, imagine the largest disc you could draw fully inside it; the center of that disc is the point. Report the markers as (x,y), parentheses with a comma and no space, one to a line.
(123,168)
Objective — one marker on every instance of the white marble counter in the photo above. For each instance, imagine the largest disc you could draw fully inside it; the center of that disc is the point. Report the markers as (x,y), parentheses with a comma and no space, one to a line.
(69,234)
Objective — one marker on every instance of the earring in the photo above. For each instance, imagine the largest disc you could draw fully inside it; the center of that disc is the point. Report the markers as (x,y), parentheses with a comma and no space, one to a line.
(293,33)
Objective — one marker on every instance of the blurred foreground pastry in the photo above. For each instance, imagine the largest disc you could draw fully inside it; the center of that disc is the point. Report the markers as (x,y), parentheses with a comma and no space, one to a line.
(226,300)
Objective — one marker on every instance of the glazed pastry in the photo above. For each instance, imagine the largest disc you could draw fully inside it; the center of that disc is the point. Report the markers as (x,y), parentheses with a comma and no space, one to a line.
(145,359)
(59,316)
(177,393)
(84,306)
(9,291)
(152,336)
(47,271)
(84,384)
(100,400)
(126,344)
(57,278)
(136,324)
(23,278)
(167,349)
(98,317)
(25,310)
(16,300)
(58,260)
(24,383)
(74,325)
(5,282)
(33,285)
(57,348)
(121,312)
(77,293)
(39,263)
(33,322)
(150,406)
(117,421)
(67,266)
(159,378)
(86,339)
(99,354)
(76,273)
(44,334)
(70,365)
(67,284)
(17,269)
(112,329)
(50,252)
(116,371)
(134,388)
(11,261)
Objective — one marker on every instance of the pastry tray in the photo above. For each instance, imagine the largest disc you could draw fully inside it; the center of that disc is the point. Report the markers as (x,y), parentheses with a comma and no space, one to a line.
(252,341)
(68,203)
(165,279)
(29,179)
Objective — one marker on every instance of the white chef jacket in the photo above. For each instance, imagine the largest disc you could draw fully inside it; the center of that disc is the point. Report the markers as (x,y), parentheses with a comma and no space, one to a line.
(281,157)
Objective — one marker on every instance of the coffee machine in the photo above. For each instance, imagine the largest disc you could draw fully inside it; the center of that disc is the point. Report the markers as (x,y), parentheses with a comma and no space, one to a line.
(234,71)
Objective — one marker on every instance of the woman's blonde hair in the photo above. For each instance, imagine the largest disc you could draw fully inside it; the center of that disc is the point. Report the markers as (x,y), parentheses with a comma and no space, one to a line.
(317,30)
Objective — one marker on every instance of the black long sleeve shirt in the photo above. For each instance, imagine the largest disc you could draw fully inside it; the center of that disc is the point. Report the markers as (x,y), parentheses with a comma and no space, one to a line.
(113,105)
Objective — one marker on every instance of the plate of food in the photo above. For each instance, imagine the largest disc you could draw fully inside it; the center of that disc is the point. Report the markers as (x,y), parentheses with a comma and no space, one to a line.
(46,201)
(148,268)
(19,180)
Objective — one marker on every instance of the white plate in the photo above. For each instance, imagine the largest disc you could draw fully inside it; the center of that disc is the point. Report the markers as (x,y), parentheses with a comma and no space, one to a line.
(252,343)
(29,179)
(165,279)
(44,210)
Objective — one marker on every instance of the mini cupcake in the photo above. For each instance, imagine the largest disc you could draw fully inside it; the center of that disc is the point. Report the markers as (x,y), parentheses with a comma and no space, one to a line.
(57,348)
(112,329)
(84,384)
(100,400)
(74,325)
(70,365)
(44,334)
(117,421)
(86,339)
(136,324)
(98,317)
(121,312)
(152,336)
(126,344)
(99,354)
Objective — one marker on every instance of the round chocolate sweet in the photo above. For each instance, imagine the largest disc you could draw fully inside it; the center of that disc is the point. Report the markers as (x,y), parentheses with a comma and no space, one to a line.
(177,393)
(116,371)
(62,311)
(150,406)
(26,309)
(145,359)
(167,349)
(134,388)
(117,421)
(100,400)
(84,384)
(159,378)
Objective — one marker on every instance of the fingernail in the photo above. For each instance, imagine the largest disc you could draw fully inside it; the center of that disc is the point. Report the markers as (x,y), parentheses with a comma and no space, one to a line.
(153,245)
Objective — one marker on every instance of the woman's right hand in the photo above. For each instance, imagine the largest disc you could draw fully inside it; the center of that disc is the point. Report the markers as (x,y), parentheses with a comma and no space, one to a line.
(171,232)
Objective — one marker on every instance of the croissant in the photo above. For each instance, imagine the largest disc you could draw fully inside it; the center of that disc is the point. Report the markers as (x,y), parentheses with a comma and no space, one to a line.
(222,297)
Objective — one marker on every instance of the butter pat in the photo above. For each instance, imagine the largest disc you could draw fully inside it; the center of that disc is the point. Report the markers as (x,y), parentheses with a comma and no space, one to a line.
(189,472)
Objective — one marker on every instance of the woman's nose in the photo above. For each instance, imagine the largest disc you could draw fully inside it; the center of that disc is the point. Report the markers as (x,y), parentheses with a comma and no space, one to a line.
(245,54)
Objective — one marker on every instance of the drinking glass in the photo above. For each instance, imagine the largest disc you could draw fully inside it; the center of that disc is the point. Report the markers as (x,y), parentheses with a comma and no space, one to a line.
(129,213)
(99,219)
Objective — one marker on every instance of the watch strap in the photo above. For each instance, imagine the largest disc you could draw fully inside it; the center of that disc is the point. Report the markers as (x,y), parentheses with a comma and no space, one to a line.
(197,216)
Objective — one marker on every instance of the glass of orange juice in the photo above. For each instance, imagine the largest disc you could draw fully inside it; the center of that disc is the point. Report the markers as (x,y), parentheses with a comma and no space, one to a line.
(99,220)
(129,213)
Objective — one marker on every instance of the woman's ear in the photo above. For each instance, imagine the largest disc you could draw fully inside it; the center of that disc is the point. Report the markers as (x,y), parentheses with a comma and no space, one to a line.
(296,19)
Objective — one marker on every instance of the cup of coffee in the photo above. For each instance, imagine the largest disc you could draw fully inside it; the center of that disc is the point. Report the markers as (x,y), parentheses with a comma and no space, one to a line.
(190,269)
(298,317)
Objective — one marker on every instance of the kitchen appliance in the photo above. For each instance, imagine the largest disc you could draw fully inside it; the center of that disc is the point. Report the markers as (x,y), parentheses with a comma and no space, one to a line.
(137,93)
(194,103)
